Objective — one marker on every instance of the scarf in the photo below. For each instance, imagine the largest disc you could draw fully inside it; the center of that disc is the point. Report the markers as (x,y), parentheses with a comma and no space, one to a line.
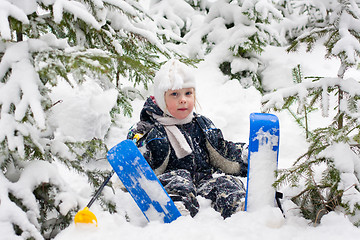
(176,138)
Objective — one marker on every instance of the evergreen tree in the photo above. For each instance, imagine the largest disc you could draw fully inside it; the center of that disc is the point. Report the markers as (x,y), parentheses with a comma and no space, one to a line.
(236,32)
(45,43)
(302,15)
(338,187)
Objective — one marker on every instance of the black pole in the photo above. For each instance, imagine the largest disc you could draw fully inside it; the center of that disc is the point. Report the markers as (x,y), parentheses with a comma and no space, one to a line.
(100,189)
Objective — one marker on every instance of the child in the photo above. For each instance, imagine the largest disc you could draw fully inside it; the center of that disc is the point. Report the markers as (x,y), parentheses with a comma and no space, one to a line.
(186,151)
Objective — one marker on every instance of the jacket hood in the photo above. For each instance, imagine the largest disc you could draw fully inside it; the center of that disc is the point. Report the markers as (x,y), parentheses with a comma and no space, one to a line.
(149,108)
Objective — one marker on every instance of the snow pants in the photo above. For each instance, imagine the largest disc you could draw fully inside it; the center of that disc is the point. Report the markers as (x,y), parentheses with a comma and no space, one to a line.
(226,192)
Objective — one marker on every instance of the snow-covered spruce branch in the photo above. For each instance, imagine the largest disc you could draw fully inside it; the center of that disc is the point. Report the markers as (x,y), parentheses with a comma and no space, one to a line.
(8,10)
(277,99)
(22,191)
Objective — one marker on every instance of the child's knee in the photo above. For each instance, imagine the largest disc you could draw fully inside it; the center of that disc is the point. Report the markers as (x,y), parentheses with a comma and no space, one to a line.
(178,182)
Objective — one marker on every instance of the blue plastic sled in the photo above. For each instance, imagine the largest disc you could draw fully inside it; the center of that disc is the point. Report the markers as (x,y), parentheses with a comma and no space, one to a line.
(262,160)
(142,183)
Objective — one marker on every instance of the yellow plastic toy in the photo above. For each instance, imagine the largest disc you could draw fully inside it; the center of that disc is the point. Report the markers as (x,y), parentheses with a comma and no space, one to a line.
(85,216)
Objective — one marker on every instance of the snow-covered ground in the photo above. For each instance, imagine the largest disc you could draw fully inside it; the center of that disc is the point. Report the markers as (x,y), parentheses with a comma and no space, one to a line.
(228,105)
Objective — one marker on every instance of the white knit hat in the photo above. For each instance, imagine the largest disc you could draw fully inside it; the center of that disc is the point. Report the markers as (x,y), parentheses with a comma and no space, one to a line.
(172,75)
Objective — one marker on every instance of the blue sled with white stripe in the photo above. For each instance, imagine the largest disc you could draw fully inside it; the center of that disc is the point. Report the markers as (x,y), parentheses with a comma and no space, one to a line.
(262,161)
(142,183)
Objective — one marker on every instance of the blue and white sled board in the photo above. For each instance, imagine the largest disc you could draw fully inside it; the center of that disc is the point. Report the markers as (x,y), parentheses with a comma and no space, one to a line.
(142,183)
(262,161)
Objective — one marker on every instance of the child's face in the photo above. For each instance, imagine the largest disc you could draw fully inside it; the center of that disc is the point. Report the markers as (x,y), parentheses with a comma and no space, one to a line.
(180,102)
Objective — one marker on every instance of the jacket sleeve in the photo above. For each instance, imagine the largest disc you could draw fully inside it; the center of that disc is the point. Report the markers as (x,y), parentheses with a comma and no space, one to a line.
(152,144)
(237,152)
(228,156)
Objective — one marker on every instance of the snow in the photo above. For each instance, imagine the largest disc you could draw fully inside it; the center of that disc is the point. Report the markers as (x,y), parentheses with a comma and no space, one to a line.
(260,177)
(83,112)
(346,162)
(22,189)
(229,106)
(8,9)
(18,57)
(77,9)
(264,224)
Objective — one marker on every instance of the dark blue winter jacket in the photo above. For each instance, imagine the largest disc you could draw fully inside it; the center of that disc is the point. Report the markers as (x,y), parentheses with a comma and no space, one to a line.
(211,153)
